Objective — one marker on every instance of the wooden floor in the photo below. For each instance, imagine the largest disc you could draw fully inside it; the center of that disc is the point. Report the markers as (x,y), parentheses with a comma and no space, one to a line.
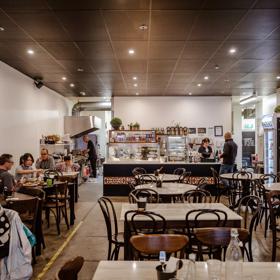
(90,240)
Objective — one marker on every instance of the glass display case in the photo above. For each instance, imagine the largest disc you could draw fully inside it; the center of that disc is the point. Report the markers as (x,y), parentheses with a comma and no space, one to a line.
(133,145)
(176,148)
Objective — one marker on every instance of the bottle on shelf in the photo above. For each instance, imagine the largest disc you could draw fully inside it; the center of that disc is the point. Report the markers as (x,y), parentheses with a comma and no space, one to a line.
(234,259)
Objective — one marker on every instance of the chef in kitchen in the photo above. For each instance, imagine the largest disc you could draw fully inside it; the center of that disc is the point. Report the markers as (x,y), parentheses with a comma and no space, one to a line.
(205,149)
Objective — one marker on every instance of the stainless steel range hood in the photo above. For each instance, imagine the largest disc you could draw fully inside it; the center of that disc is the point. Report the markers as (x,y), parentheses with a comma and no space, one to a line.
(78,126)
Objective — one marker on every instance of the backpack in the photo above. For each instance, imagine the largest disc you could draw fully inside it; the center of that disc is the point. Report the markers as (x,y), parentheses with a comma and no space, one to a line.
(4,234)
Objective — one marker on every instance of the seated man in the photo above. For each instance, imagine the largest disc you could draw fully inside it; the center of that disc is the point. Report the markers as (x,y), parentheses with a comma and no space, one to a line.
(67,165)
(46,161)
(6,178)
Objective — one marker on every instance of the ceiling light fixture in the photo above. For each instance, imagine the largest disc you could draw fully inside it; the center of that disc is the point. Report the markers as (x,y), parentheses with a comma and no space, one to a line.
(199,85)
(137,93)
(206,78)
(232,50)
(278,77)
(135,85)
(72,85)
(134,78)
(249,99)
(64,78)
(217,67)
(2,28)
(30,51)
(131,51)
(143,27)
(82,93)
(80,69)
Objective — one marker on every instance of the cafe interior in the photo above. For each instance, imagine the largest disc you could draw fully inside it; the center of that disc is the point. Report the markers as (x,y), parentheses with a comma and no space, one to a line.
(140,139)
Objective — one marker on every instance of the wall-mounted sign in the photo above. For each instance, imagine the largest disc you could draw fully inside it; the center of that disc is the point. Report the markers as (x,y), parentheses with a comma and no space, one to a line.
(192,130)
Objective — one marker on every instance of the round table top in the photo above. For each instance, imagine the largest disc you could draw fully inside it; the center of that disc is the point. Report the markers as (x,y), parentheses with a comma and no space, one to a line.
(169,188)
(16,197)
(272,186)
(165,177)
(229,176)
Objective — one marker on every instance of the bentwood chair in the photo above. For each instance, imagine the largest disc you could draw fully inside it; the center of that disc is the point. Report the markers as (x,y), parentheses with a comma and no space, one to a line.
(185,177)
(218,218)
(115,238)
(196,196)
(149,245)
(150,195)
(137,172)
(250,209)
(220,189)
(148,178)
(273,198)
(179,171)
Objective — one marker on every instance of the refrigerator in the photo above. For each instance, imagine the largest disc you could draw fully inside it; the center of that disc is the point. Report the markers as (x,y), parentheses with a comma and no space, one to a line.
(271,128)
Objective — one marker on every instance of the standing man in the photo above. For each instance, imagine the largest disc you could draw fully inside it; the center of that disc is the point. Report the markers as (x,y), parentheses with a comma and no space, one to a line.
(229,154)
(6,178)
(92,156)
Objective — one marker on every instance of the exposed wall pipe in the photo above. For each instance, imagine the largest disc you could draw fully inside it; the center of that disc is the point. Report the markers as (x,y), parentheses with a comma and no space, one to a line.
(91,106)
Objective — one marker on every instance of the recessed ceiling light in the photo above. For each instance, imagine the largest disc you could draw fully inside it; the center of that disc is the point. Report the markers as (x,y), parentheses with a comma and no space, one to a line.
(134,78)
(206,78)
(278,77)
(64,78)
(137,93)
(135,85)
(2,28)
(30,51)
(232,50)
(72,85)
(227,81)
(199,85)
(131,51)
(190,93)
(143,27)
(80,69)
(82,93)
(217,67)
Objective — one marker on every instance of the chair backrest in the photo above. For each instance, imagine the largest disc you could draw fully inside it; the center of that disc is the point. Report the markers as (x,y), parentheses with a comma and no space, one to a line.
(268,178)
(185,177)
(27,210)
(202,181)
(220,218)
(70,270)
(151,195)
(131,185)
(151,223)
(110,217)
(242,174)
(179,171)
(196,196)
(61,189)
(215,175)
(147,178)
(53,174)
(138,171)
(152,244)
(249,208)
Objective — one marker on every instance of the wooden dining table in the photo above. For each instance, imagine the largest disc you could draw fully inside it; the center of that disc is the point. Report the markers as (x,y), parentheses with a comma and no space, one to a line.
(175,216)
(146,270)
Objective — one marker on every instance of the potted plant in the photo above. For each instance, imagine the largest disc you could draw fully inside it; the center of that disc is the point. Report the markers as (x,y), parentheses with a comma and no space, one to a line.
(136,126)
(116,123)
(277,109)
(130,126)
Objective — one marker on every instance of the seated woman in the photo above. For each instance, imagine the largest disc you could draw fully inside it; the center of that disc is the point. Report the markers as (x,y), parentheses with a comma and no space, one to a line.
(67,165)
(25,169)
(205,150)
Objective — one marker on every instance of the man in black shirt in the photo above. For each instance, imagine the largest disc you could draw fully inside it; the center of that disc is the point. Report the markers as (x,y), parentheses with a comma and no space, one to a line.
(92,156)
(6,178)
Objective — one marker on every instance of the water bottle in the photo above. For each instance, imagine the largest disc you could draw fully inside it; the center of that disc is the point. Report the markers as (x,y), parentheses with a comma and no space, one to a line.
(234,259)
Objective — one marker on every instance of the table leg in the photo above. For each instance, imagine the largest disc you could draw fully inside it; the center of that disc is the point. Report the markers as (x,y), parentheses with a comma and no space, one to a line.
(76,185)
(72,203)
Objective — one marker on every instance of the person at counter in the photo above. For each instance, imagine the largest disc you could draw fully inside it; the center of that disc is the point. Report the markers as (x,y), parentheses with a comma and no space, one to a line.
(45,161)
(67,165)
(25,169)
(205,150)
(92,156)
(6,178)
(229,155)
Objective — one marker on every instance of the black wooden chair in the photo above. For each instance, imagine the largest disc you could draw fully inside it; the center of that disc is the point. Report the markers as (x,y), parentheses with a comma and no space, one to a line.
(149,194)
(196,196)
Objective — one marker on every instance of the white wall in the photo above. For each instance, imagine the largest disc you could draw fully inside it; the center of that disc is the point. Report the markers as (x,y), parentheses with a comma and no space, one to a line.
(166,111)
(27,112)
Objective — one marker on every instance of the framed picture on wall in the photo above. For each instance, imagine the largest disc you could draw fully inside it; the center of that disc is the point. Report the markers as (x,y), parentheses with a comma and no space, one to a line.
(218,130)
(201,130)
(192,130)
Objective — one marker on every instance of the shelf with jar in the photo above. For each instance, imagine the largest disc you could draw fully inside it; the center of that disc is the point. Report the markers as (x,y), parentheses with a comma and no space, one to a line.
(132,136)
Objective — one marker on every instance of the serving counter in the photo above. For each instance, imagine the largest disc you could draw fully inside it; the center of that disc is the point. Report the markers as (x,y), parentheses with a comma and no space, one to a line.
(117,174)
